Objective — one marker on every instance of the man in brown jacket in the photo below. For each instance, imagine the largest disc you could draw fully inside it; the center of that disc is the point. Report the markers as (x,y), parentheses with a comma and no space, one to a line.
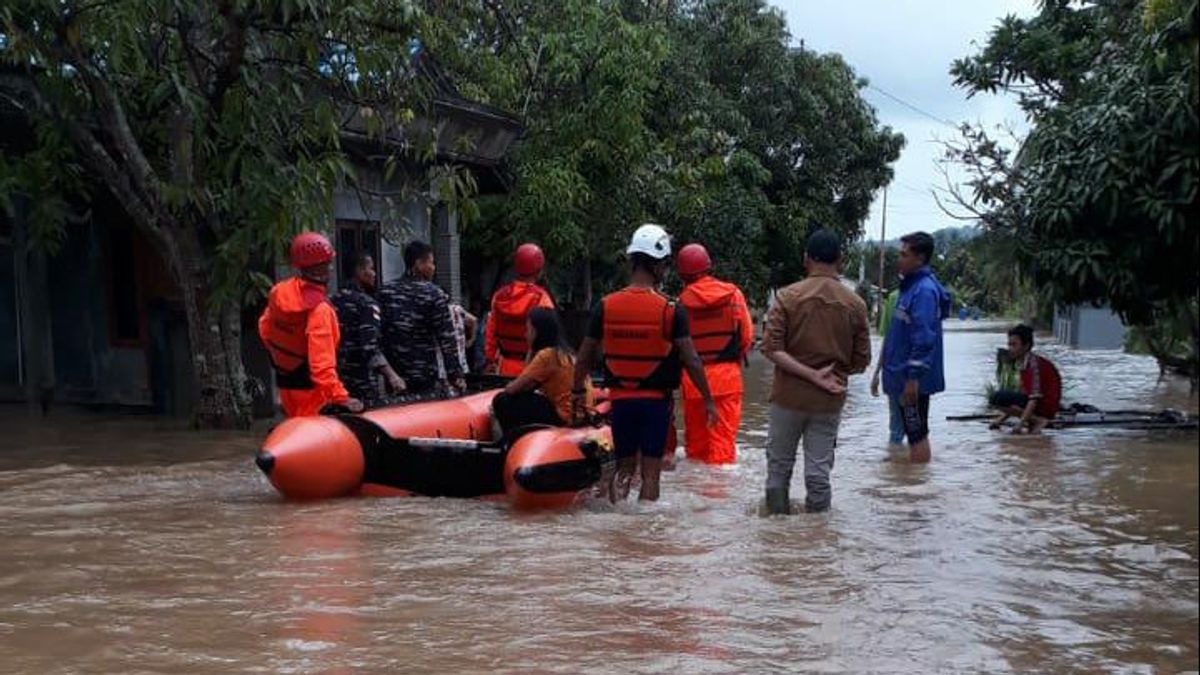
(816,336)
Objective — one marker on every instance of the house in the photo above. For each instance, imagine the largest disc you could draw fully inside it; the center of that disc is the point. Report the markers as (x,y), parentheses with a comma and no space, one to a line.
(101,322)
(1087,327)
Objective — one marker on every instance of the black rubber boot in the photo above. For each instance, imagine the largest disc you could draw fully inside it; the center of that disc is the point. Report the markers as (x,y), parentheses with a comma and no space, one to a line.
(777,502)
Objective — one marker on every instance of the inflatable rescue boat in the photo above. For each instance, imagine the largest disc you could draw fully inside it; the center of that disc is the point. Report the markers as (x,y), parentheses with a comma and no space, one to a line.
(437,449)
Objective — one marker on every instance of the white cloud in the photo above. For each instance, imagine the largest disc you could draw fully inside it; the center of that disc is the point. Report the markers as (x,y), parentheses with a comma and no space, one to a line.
(905,48)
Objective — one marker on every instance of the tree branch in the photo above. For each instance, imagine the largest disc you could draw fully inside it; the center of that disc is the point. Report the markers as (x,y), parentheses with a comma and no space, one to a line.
(94,154)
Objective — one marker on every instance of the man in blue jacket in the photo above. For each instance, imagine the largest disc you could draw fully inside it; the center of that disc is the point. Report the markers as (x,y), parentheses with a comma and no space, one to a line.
(912,357)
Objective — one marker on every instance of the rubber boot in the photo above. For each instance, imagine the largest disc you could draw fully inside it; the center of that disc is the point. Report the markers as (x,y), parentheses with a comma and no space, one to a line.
(778,502)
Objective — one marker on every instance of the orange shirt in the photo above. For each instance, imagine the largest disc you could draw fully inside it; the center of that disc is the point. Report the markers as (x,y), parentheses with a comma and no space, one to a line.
(555,374)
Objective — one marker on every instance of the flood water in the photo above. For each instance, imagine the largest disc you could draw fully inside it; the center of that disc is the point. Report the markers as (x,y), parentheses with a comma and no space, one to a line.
(131,546)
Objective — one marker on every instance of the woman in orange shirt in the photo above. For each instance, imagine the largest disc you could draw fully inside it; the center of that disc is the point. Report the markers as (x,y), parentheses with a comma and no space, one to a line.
(541,394)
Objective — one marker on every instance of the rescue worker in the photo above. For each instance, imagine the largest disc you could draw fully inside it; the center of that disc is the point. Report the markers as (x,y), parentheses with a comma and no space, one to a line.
(506,348)
(417,326)
(722,331)
(360,360)
(300,330)
(644,339)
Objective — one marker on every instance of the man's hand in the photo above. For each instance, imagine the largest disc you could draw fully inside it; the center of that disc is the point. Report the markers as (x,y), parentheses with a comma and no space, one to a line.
(912,391)
(710,411)
(875,384)
(459,383)
(353,405)
(827,380)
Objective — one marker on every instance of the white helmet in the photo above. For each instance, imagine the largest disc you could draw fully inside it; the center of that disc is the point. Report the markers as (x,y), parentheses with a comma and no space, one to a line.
(651,240)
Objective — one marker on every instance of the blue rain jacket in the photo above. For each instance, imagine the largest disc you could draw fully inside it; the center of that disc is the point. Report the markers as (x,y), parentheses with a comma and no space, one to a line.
(913,345)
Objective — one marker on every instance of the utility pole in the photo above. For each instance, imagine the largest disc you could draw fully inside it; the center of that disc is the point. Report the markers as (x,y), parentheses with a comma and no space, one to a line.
(882,240)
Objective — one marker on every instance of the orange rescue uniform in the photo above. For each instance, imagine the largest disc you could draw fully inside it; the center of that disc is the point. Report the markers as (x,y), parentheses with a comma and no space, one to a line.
(722,331)
(300,330)
(504,341)
(640,359)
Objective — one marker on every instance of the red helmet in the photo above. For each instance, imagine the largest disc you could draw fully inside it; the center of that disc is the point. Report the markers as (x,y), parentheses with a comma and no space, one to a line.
(309,249)
(693,260)
(529,260)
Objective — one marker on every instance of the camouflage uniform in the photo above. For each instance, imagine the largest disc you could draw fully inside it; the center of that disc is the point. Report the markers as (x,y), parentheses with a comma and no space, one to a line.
(359,355)
(416,327)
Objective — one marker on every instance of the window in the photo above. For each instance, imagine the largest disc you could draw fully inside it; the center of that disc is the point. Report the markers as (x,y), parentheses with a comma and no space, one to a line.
(354,238)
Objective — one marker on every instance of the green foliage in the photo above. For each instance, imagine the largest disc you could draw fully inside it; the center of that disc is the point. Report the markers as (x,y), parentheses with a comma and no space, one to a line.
(695,115)
(218,121)
(1101,196)
(218,126)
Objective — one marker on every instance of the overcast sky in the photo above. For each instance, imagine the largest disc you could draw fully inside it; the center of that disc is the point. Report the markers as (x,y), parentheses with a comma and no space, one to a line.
(905,47)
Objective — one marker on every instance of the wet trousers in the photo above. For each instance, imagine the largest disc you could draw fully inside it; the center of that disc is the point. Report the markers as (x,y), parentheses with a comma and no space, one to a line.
(818,431)
(717,444)
(301,402)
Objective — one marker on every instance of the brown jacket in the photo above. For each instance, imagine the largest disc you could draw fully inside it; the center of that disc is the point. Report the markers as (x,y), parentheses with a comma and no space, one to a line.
(818,321)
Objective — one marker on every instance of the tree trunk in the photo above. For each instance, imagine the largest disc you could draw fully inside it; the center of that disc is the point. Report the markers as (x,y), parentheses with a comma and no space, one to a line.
(215,337)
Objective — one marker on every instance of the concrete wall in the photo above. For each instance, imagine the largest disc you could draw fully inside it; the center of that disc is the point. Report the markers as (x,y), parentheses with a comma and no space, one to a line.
(88,366)
(399,223)
(1086,327)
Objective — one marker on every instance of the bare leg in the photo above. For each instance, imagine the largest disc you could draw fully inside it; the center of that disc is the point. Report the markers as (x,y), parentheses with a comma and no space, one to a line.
(920,453)
(651,473)
(626,467)
(1037,424)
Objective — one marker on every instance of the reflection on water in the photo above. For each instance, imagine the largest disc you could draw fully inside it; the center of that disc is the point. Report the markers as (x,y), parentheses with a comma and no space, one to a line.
(129,545)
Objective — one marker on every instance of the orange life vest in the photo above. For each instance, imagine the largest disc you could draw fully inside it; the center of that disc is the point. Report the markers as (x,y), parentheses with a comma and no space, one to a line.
(510,307)
(285,333)
(639,349)
(715,328)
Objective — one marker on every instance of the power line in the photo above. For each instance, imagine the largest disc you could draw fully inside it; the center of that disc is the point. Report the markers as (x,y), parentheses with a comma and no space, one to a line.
(912,107)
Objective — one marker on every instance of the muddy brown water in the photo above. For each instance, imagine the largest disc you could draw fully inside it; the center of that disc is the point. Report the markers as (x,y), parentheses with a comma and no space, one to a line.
(131,546)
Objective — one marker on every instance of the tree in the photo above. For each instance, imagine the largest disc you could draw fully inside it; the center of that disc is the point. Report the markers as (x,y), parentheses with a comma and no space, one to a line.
(216,125)
(695,115)
(1101,195)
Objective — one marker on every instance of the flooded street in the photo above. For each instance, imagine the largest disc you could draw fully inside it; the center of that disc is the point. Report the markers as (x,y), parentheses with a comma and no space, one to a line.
(131,546)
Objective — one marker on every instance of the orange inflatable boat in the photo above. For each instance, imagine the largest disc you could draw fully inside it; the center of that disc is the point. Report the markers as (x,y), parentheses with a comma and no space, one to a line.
(437,449)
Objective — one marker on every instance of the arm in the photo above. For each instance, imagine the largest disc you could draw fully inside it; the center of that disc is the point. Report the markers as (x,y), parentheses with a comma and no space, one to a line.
(470,325)
(822,378)
(535,373)
(745,321)
(774,341)
(878,370)
(922,334)
(695,368)
(524,382)
(443,329)
(377,360)
(1027,413)
(322,353)
(584,363)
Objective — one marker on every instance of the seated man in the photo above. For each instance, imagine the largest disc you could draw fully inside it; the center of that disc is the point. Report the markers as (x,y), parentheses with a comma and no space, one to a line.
(1038,400)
